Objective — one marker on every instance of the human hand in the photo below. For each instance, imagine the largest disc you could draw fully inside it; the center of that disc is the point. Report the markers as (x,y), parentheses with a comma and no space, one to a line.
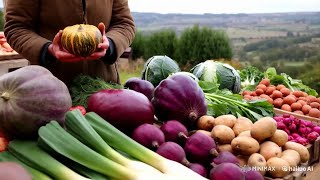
(63,55)
(102,47)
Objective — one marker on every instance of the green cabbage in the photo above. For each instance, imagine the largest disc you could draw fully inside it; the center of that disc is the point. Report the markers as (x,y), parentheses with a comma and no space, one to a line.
(158,68)
(224,75)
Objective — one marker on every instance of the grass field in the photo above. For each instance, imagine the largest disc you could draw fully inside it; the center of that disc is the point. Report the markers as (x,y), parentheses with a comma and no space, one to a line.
(128,69)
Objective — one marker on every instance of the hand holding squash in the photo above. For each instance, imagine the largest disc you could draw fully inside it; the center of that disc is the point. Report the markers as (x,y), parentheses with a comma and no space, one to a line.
(80,42)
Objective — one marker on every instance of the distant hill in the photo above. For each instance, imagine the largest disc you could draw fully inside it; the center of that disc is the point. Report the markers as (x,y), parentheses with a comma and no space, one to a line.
(296,22)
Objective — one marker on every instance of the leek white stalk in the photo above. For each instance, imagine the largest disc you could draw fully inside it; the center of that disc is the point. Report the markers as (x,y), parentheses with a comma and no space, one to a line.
(77,125)
(122,142)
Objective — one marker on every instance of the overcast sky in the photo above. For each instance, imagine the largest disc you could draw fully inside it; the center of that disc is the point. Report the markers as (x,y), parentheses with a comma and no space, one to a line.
(223,6)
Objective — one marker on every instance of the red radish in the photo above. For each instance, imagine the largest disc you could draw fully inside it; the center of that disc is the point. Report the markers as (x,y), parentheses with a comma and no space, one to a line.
(149,136)
(199,147)
(292,127)
(302,141)
(174,131)
(225,157)
(142,86)
(286,121)
(226,171)
(173,151)
(280,125)
(312,137)
(253,175)
(295,135)
(317,129)
(198,168)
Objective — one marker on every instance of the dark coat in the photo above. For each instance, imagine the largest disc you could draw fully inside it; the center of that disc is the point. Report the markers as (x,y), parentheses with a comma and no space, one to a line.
(30,24)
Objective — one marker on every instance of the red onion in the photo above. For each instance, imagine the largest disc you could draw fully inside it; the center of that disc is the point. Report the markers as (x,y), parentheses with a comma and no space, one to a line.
(309,124)
(292,127)
(226,171)
(308,130)
(174,131)
(173,151)
(277,118)
(253,175)
(198,168)
(199,147)
(290,138)
(286,115)
(302,141)
(225,157)
(148,135)
(295,135)
(302,130)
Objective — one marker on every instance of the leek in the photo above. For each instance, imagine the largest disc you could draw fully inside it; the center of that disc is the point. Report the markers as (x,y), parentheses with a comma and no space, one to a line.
(122,142)
(77,125)
(65,144)
(8,157)
(29,153)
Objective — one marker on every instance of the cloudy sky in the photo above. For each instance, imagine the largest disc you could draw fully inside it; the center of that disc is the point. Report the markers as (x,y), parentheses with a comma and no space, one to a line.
(223,6)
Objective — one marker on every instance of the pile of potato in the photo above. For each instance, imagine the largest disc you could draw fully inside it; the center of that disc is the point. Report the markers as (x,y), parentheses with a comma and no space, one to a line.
(258,144)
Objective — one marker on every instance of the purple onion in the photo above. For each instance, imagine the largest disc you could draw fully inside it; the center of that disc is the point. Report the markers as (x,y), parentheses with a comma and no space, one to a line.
(316,129)
(149,136)
(198,168)
(227,171)
(173,151)
(281,125)
(253,175)
(225,157)
(312,137)
(139,85)
(174,131)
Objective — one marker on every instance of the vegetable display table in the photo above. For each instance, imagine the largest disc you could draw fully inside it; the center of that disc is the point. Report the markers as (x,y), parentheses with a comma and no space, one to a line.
(9,63)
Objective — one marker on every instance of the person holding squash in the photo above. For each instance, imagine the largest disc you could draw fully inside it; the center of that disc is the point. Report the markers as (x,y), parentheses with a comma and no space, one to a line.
(33,28)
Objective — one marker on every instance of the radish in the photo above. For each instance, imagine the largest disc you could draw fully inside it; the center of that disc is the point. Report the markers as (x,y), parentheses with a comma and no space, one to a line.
(226,171)
(149,136)
(225,157)
(174,131)
(312,137)
(316,129)
(174,152)
(199,147)
(198,168)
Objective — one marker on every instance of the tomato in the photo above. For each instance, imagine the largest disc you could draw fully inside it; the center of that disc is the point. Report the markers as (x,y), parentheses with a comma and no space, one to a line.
(81,108)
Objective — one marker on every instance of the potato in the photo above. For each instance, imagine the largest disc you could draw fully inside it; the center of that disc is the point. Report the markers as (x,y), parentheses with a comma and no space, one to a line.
(205,122)
(245,145)
(280,137)
(243,160)
(245,133)
(202,131)
(269,149)
(263,128)
(292,157)
(224,147)
(257,160)
(222,134)
(301,149)
(227,120)
(242,124)
(278,167)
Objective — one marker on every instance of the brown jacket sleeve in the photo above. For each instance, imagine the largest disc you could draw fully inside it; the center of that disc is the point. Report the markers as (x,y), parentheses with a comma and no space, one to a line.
(121,29)
(20,26)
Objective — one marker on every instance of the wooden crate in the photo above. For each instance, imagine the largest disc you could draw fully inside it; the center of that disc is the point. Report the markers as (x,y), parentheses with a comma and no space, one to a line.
(314,152)
(299,116)
(297,175)
(11,62)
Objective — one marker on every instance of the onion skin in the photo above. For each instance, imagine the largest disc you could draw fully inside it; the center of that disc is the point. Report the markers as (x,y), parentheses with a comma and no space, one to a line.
(200,147)
(228,171)
(179,97)
(148,135)
(174,131)
(142,86)
(123,108)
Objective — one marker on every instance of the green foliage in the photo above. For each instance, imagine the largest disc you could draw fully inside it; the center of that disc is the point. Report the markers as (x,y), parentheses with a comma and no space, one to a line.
(138,46)
(1,21)
(199,44)
(160,43)
(312,78)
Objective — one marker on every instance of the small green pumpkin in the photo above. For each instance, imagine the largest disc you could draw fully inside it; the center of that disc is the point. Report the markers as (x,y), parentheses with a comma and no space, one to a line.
(81,39)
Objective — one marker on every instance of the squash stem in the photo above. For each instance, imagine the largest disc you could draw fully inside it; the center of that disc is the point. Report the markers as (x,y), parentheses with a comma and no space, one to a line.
(5,96)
